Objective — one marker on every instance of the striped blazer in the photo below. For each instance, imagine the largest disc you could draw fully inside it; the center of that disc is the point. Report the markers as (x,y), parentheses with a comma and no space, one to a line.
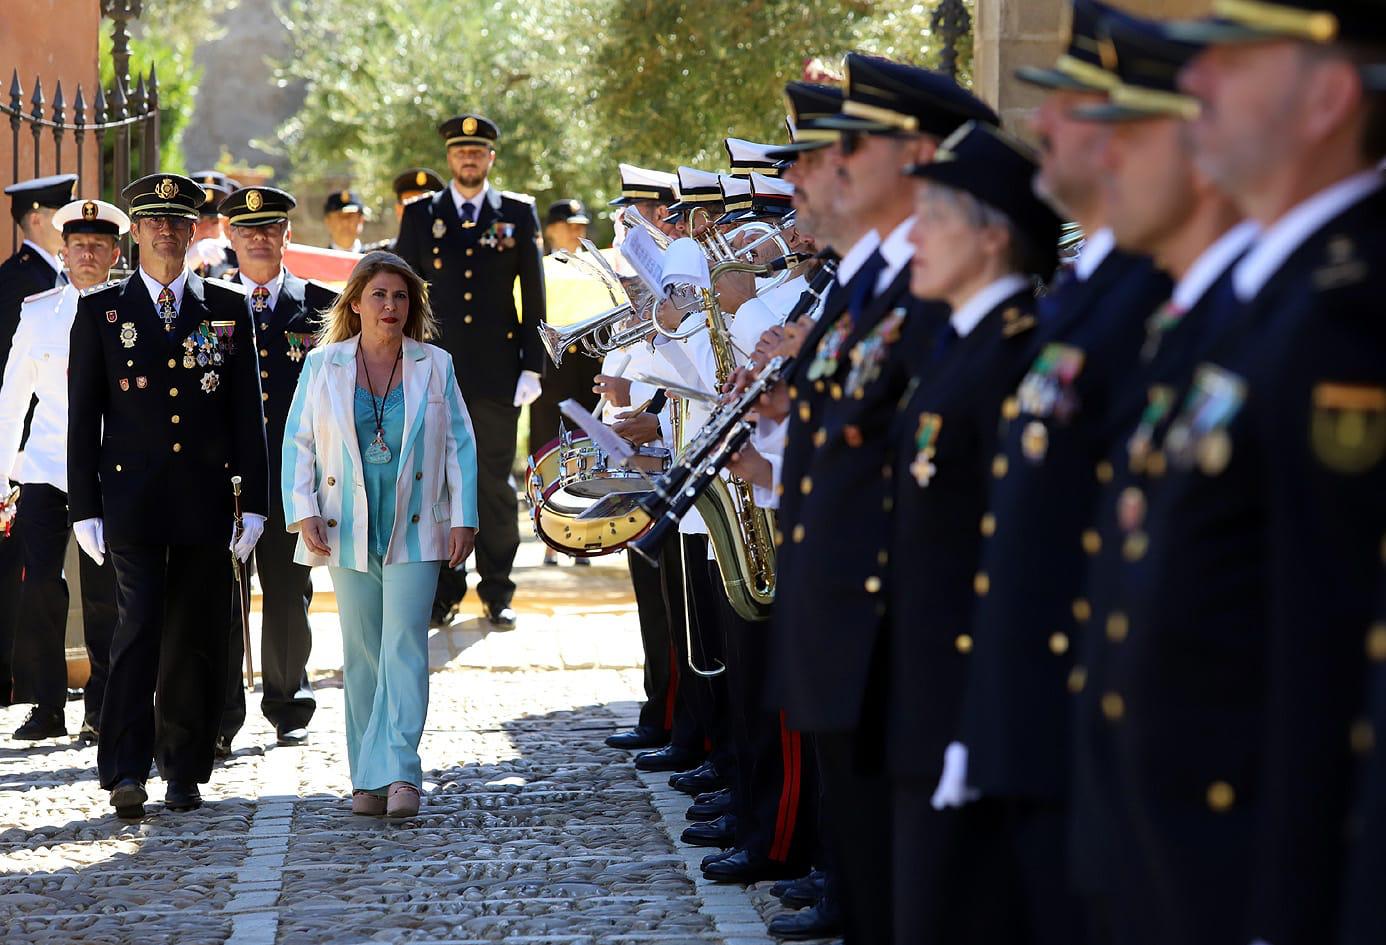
(322,473)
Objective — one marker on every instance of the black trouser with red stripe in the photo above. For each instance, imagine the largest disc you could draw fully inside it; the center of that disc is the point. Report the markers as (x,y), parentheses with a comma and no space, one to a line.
(661,670)
(776,784)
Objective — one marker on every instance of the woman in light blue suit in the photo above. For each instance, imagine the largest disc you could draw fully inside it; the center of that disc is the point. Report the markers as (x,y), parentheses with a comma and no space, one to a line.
(379,482)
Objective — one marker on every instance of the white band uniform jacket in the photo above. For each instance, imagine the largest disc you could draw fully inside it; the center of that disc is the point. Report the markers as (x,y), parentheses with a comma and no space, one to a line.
(38,367)
(322,473)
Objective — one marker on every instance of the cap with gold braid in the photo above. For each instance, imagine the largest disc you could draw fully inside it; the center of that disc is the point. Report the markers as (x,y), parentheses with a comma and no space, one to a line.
(891,98)
(697,189)
(1079,68)
(641,183)
(164,195)
(91,216)
(747,157)
(736,197)
(806,105)
(257,206)
(469,130)
(343,201)
(417,180)
(1312,21)
(1147,64)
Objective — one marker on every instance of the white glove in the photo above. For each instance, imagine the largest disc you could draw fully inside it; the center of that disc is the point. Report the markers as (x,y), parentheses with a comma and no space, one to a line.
(91,538)
(952,790)
(252,527)
(527,388)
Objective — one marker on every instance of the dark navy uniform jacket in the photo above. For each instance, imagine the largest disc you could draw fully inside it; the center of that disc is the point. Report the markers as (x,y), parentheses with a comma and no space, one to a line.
(1054,428)
(943,451)
(22,275)
(471,272)
(160,421)
(1231,696)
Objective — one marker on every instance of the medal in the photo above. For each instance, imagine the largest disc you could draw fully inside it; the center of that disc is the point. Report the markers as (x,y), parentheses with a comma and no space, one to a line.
(870,353)
(210,382)
(128,334)
(440,229)
(926,445)
(825,360)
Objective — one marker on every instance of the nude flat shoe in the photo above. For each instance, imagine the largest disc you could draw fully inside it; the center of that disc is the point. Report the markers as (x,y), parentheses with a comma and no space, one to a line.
(367,804)
(403,800)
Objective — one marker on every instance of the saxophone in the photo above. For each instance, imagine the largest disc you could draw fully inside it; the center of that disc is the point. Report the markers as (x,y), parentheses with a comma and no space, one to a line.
(740,532)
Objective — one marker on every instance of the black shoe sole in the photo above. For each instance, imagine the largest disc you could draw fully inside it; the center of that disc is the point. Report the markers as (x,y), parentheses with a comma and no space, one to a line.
(182,808)
(38,737)
(721,843)
(129,802)
(130,813)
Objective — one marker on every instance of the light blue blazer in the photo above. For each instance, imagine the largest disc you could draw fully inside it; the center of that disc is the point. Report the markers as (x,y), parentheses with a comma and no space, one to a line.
(322,472)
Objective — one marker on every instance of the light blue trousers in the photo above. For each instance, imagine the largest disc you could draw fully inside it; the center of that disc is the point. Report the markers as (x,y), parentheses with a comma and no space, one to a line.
(384,614)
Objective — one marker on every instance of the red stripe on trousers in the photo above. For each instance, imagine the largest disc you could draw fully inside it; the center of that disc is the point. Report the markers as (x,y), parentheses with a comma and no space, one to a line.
(789,793)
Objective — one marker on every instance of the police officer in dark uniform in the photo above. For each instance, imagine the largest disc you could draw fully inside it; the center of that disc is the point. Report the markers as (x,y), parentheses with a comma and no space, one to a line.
(471,242)
(1235,669)
(165,407)
(284,311)
(211,253)
(344,215)
(408,186)
(34,267)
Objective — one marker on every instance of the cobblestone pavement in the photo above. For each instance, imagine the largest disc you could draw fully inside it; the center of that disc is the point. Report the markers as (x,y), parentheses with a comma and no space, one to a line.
(531,831)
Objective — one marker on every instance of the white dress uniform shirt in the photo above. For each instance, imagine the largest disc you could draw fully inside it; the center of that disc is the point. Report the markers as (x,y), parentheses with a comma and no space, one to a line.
(38,367)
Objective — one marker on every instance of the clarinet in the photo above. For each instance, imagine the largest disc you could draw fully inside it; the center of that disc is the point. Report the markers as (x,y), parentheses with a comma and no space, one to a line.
(666,489)
(649,544)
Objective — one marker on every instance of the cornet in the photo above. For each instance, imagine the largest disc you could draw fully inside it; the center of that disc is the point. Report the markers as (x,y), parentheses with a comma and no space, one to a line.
(599,335)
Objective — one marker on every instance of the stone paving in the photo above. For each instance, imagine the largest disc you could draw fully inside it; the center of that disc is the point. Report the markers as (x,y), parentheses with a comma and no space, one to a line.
(531,831)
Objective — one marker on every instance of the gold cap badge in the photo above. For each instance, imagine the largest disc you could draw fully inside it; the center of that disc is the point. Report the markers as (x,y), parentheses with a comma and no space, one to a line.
(89,211)
(253,201)
(469,125)
(166,189)
(346,196)
(421,178)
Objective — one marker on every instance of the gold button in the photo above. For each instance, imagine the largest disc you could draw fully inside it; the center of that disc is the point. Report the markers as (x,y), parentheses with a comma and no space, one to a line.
(794,395)
(264,374)
(173,392)
(836,392)
(1104,471)
(331,523)
(999,465)
(1113,706)
(1077,679)
(963,642)
(1010,408)
(820,437)
(797,535)
(264,352)
(467,273)
(1221,796)
(418,476)
(467,319)
(414,519)
(805,485)
(883,557)
(171,363)
(873,585)
(804,412)
(175,419)
(436,251)
(1117,626)
(1082,610)
(1058,643)
(1362,737)
(981,583)
(988,525)
(1155,465)
(1376,643)
(438,263)
(118,467)
(264,396)
(127,363)
(1134,547)
(264,326)
(511,334)
(466,296)
(178,447)
(331,480)
(469,251)
(1092,542)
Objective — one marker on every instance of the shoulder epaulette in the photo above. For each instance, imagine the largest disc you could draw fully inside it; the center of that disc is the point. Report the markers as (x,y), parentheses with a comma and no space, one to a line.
(92,290)
(324,287)
(235,287)
(426,195)
(229,275)
(44,294)
(522,198)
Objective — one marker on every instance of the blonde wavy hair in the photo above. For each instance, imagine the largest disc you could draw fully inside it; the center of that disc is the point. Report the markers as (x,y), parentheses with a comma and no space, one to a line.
(340,323)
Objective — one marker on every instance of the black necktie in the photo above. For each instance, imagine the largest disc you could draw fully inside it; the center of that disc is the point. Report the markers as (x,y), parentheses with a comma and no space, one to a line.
(863,286)
(468,213)
(945,339)
(1051,304)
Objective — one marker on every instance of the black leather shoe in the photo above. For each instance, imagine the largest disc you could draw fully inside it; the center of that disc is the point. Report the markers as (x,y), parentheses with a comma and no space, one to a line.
(42,723)
(800,893)
(502,618)
(182,796)
(292,737)
(668,758)
(712,805)
(715,833)
(817,921)
(128,797)
(642,736)
(222,749)
(700,780)
(88,735)
(746,867)
(714,857)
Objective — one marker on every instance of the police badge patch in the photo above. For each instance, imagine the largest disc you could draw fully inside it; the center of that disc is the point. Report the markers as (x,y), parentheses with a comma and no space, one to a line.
(1347,428)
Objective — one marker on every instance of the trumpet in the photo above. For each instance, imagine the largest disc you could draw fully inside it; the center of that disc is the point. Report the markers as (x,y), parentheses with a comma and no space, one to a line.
(599,335)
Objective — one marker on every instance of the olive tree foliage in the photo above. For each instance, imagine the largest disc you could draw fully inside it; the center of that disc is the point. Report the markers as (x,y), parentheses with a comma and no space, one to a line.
(575,85)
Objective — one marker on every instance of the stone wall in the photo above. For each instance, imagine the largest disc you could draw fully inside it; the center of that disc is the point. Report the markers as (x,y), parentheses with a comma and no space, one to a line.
(1014,33)
(54,39)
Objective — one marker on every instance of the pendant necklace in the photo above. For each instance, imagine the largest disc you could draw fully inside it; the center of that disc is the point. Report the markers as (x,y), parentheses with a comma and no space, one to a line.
(377,453)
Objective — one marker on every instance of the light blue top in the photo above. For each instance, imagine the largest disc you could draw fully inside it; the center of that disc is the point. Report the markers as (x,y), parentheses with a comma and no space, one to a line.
(380,477)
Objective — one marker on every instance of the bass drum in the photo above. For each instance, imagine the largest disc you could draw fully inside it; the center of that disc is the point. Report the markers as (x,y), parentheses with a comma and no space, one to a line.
(581,507)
